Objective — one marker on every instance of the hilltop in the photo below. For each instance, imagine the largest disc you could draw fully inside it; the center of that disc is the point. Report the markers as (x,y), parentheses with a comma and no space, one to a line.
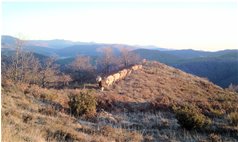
(219,67)
(142,107)
(157,81)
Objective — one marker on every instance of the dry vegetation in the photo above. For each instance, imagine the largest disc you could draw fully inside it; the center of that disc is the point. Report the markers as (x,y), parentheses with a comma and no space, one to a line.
(145,106)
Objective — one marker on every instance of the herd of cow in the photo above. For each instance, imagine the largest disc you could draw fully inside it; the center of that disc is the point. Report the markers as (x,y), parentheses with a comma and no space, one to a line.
(109,80)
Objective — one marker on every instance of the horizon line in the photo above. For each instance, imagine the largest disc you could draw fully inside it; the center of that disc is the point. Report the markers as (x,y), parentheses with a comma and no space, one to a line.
(125,44)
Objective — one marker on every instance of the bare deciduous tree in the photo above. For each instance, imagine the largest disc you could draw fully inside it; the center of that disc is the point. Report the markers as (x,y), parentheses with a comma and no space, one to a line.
(21,66)
(29,68)
(48,72)
(128,57)
(65,79)
(108,61)
(16,67)
(81,69)
(81,63)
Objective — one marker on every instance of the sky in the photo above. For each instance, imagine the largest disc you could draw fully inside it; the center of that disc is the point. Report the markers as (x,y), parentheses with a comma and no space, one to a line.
(175,24)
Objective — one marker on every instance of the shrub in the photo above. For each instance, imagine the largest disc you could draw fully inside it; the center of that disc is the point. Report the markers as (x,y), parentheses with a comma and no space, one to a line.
(26,118)
(190,118)
(215,138)
(48,95)
(83,104)
(47,111)
(233,118)
(59,135)
(217,113)
(121,135)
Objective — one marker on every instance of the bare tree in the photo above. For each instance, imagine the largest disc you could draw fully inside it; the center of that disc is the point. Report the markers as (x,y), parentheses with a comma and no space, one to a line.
(48,72)
(81,63)
(81,69)
(16,65)
(6,71)
(133,58)
(29,68)
(21,66)
(108,61)
(65,79)
(128,57)
(125,56)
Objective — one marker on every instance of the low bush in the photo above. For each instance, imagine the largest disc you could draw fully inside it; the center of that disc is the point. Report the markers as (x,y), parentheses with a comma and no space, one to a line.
(215,138)
(60,135)
(27,118)
(216,113)
(47,111)
(48,95)
(121,135)
(233,118)
(83,104)
(190,118)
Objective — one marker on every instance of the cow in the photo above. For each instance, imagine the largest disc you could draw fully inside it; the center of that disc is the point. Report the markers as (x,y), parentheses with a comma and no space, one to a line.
(99,81)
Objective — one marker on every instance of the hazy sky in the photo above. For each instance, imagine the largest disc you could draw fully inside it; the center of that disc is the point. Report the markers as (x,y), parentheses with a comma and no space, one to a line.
(178,24)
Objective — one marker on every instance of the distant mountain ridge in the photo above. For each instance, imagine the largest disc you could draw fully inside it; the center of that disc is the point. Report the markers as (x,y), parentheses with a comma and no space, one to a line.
(54,43)
(220,67)
(64,48)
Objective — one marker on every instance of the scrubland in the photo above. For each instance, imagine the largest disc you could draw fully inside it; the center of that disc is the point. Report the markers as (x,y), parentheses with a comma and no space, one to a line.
(156,103)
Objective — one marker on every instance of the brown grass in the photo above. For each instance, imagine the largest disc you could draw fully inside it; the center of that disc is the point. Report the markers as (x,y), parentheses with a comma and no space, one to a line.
(137,108)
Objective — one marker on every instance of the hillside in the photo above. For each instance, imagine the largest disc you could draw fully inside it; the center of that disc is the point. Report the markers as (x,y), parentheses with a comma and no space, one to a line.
(221,71)
(189,53)
(139,108)
(156,55)
(219,67)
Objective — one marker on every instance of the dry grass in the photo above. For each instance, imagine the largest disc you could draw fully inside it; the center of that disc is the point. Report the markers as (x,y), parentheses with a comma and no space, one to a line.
(159,87)
(137,108)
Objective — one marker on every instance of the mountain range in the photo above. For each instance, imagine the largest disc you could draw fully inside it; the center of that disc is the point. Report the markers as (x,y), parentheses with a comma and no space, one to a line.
(60,48)
(220,67)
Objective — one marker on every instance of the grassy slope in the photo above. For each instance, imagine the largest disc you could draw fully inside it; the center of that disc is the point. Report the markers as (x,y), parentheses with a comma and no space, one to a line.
(137,108)
(219,67)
